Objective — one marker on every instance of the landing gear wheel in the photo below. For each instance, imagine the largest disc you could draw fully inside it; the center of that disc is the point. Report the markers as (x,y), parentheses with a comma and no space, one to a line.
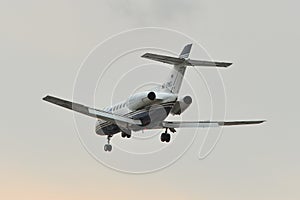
(123,134)
(107,147)
(165,137)
(168,137)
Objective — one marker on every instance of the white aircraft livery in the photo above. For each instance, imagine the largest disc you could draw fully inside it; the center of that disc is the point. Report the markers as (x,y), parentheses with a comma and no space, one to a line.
(149,109)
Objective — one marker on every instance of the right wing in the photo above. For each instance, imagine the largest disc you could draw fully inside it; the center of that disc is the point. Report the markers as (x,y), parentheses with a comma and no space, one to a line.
(100,114)
(206,124)
(186,62)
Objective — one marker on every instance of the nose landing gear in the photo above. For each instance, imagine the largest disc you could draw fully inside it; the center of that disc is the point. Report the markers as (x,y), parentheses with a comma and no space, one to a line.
(108,147)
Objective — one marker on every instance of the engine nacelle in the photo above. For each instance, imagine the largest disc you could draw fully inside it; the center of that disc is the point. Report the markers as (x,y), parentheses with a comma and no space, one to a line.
(140,100)
(143,99)
(181,105)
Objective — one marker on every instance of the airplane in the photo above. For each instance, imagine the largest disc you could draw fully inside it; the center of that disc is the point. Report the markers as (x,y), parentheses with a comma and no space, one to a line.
(149,109)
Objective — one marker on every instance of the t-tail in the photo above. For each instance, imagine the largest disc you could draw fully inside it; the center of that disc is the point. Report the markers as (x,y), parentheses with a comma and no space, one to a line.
(175,78)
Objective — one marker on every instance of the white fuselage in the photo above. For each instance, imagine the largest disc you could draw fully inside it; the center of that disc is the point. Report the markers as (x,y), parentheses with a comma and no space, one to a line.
(150,107)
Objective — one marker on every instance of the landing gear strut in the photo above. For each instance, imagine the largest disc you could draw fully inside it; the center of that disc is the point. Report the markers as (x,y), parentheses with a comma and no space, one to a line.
(165,137)
(108,147)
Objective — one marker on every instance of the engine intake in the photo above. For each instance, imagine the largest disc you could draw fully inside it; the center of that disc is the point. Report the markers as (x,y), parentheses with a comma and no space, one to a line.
(151,96)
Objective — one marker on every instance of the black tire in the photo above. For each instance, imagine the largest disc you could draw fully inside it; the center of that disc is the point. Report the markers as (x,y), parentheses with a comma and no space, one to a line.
(125,135)
(163,137)
(107,147)
(168,137)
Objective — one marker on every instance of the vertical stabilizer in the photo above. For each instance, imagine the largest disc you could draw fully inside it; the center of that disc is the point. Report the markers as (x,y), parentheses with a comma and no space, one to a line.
(185,51)
(175,78)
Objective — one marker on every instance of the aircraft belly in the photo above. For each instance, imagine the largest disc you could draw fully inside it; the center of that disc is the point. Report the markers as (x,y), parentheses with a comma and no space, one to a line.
(150,117)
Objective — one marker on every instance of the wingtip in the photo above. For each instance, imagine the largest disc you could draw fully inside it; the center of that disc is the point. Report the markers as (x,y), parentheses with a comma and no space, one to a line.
(228,64)
(259,121)
(230,123)
(45,97)
(145,55)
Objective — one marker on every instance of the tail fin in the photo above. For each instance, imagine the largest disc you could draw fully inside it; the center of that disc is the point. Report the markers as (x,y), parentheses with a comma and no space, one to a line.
(176,75)
(186,51)
(174,81)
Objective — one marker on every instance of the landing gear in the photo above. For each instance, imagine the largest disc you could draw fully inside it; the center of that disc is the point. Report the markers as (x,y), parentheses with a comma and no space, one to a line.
(165,137)
(123,134)
(108,147)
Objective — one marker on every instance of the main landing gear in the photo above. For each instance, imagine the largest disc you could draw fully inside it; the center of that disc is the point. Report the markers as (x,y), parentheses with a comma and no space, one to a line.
(123,134)
(108,147)
(166,137)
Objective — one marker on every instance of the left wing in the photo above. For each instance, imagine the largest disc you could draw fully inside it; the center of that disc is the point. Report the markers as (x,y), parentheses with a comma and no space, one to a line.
(205,124)
(100,114)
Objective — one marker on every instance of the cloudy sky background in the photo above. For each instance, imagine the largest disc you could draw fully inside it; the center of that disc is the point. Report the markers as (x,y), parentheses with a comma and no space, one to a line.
(42,46)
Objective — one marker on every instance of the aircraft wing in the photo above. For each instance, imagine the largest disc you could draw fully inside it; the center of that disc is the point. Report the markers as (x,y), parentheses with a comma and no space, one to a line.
(100,114)
(205,124)
(186,62)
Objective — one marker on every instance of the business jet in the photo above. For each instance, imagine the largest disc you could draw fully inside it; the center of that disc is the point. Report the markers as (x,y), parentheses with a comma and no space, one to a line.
(149,109)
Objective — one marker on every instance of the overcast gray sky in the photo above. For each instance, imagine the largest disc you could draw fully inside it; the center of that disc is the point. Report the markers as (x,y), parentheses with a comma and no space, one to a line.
(42,46)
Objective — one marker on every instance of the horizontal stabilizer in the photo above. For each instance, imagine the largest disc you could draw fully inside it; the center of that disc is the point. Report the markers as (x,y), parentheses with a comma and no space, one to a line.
(181,61)
(165,59)
(208,63)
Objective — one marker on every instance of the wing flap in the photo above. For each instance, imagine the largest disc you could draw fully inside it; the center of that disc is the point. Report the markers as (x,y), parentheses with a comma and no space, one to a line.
(100,114)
